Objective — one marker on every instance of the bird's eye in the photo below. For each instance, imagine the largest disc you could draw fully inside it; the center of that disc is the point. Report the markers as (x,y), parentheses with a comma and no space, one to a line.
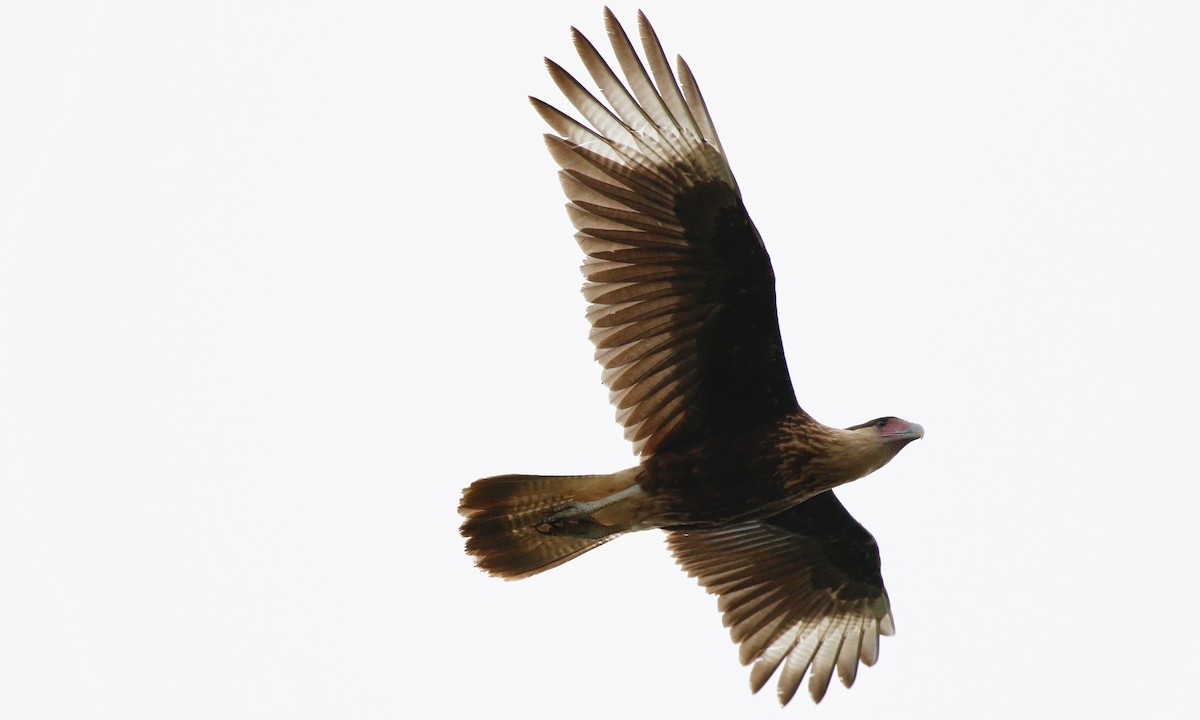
(881,423)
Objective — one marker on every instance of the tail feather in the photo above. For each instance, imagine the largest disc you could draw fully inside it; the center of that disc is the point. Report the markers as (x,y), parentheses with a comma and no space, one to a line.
(506,521)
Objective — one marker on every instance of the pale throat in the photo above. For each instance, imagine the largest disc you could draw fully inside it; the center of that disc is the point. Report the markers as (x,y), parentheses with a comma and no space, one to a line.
(863,452)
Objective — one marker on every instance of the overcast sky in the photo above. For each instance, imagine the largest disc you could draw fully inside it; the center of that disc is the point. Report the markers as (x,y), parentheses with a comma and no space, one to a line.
(278,279)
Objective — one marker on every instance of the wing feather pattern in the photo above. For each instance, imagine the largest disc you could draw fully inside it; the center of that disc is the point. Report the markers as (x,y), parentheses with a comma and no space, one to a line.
(681,289)
(801,590)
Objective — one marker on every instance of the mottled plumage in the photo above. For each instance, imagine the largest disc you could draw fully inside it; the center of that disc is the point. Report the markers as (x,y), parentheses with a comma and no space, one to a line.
(684,320)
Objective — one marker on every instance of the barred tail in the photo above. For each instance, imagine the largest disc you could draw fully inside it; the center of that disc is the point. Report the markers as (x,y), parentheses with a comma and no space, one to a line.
(510,529)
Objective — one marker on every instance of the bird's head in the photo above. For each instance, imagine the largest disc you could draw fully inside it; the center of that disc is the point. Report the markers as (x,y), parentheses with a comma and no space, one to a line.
(891,430)
(872,444)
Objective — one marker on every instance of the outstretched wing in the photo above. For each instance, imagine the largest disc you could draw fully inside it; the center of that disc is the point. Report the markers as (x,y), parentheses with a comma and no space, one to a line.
(801,589)
(681,289)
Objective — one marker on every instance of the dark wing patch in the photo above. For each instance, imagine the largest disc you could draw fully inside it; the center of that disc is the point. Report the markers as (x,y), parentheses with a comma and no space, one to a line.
(801,589)
(681,288)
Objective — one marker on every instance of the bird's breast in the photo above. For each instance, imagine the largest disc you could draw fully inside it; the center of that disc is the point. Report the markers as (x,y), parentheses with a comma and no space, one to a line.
(718,481)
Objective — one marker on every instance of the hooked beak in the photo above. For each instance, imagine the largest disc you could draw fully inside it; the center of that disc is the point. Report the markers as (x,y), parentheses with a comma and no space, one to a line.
(913,432)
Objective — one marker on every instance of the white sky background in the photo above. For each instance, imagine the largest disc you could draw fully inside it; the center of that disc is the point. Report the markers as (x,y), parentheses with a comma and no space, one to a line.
(277,281)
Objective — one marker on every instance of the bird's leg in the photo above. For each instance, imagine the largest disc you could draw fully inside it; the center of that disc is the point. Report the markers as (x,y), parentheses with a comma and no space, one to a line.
(575,518)
(580,528)
(576,509)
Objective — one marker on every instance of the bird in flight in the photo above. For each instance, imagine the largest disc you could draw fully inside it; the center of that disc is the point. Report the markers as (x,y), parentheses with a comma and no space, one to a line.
(682,309)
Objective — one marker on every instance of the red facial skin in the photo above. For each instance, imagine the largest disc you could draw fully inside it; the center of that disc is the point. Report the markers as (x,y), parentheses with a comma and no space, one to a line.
(897,430)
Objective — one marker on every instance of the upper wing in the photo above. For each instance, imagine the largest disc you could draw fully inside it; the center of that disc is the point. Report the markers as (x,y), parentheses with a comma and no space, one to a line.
(681,289)
(802,586)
